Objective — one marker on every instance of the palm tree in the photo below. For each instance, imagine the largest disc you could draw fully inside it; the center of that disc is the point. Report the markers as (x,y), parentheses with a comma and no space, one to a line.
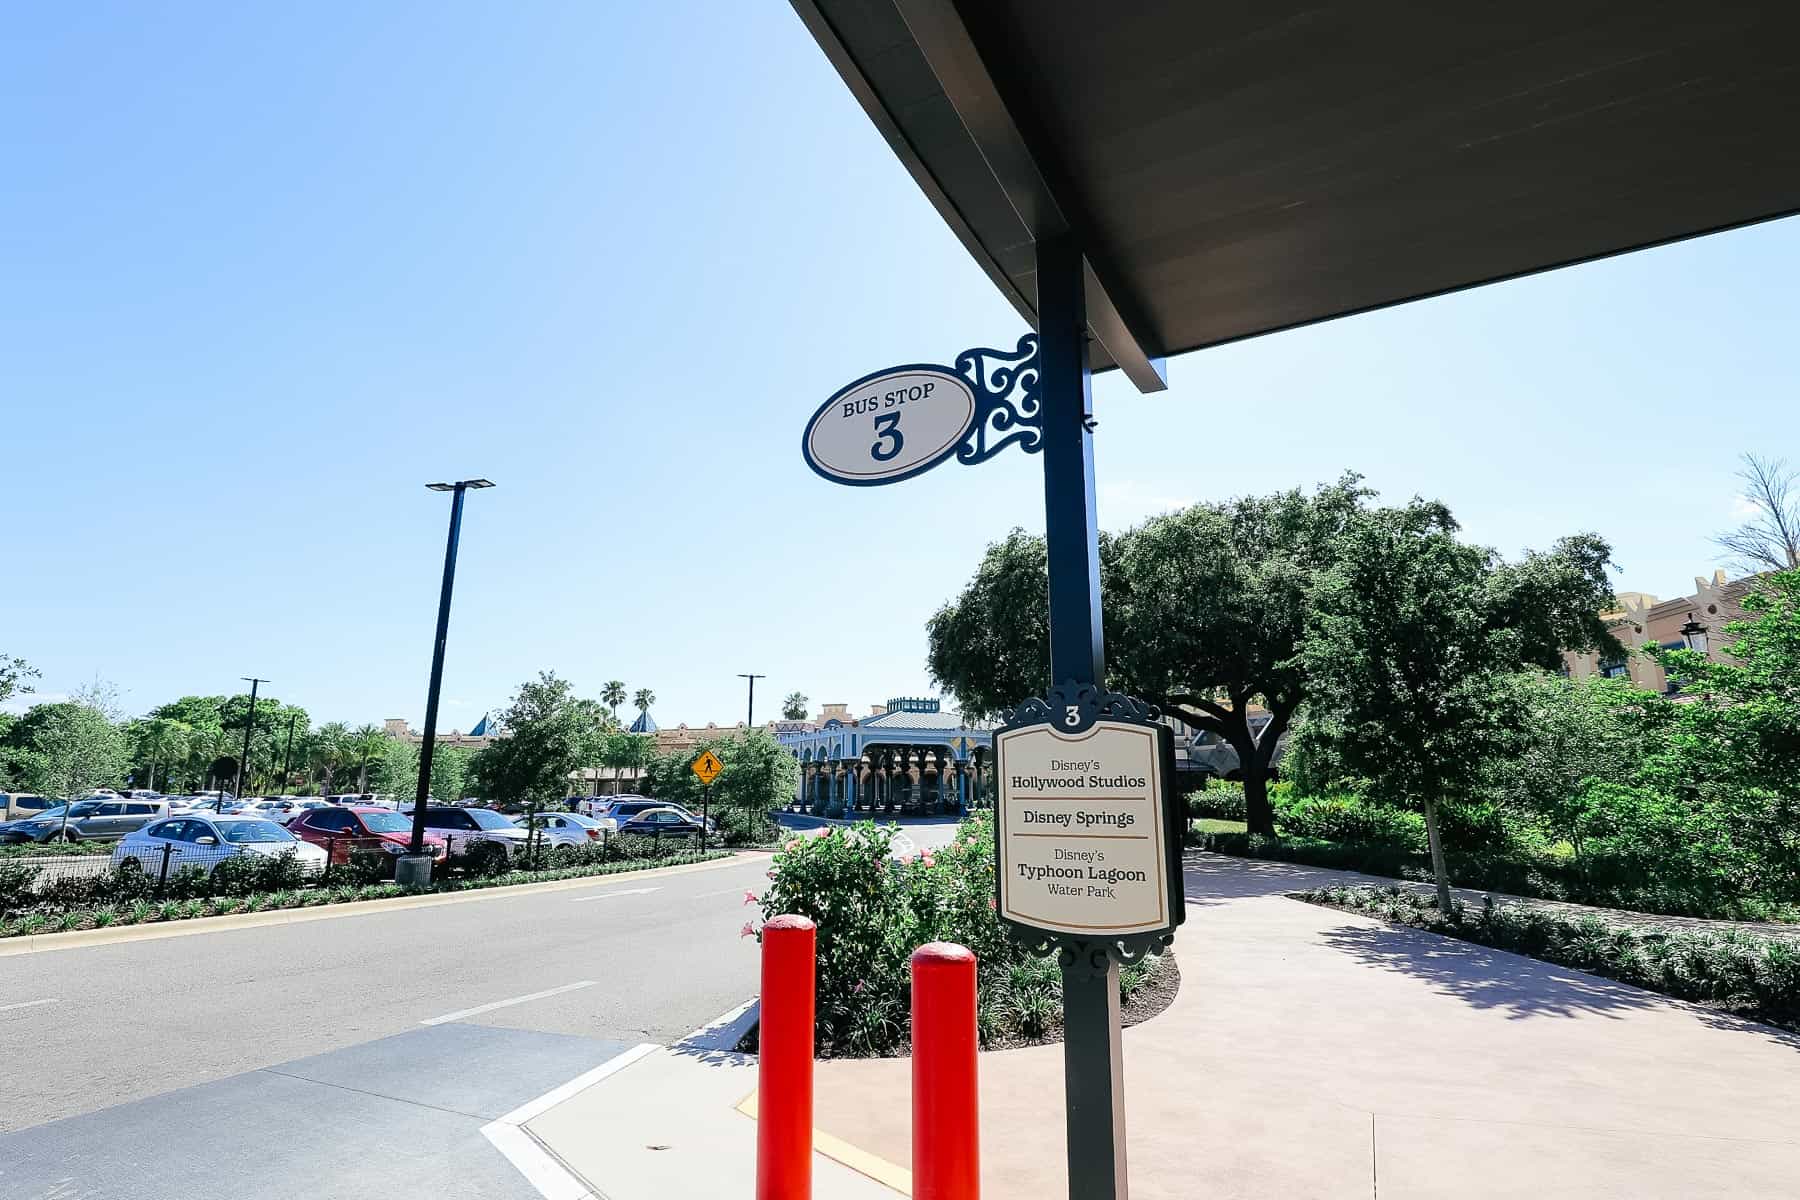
(163,740)
(643,698)
(613,695)
(794,706)
(367,743)
(329,749)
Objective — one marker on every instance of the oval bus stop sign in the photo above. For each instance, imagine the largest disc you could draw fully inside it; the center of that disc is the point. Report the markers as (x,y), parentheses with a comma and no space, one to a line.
(890,426)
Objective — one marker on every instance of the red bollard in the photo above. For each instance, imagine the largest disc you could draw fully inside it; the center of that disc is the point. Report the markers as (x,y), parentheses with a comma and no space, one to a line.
(946,1135)
(784,1075)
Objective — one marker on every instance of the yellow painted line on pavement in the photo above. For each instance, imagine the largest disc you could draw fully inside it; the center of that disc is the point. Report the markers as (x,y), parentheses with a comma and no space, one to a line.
(37,943)
(855,1157)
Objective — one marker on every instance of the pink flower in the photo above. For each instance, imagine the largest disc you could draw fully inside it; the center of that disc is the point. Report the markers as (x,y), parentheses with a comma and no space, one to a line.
(927,859)
(991,904)
(748,930)
(857,990)
(770,872)
(749,897)
(792,844)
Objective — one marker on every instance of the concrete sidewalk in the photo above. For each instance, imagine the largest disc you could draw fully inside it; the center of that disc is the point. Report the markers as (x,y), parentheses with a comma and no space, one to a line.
(1310,1053)
(669,1127)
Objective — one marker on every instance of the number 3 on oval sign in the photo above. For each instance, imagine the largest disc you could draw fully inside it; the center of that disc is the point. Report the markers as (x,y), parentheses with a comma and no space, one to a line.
(939,409)
(887,428)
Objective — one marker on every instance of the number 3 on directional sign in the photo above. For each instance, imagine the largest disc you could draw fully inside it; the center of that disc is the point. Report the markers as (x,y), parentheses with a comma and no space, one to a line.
(887,428)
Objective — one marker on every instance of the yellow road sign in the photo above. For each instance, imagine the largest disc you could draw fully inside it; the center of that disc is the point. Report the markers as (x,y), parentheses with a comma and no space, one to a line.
(707,767)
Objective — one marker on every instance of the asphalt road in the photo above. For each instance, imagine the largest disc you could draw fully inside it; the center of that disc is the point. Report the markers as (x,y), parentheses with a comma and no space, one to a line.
(88,1028)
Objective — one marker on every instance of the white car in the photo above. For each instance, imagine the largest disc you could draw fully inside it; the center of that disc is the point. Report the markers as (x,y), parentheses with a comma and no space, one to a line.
(205,841)
(467,828)
(566,829)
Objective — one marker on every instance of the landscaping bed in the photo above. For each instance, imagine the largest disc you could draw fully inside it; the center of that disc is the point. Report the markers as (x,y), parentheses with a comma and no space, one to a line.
(871,911)
(150,908)
(1739,973)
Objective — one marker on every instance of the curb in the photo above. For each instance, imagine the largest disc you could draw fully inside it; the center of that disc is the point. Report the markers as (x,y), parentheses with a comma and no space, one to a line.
(38,943)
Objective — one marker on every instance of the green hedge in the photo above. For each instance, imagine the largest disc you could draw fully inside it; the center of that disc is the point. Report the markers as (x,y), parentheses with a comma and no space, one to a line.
(872,912)
(53,849)
(1599,879)
(142,909)
(1739,972)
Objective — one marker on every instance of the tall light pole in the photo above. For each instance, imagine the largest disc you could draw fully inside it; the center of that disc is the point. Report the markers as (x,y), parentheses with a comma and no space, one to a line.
(417,848)
(750,709)
(237,789)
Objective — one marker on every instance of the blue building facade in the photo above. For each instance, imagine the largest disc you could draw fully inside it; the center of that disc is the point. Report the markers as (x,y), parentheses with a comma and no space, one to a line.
(911,759)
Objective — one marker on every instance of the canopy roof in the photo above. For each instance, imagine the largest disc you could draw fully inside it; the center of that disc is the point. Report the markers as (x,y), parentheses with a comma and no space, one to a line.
(1235,168)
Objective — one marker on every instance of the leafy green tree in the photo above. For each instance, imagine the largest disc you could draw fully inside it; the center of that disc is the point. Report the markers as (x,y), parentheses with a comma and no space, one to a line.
(1204,612)
(70,749)
(759,775)
(449,772)
(613,695)
(327,751)
(1410,633)
(549,734)
(397,771)
(15,676)
(1567,734)
(793,706)
(366,744)
(160,741)
(623,752)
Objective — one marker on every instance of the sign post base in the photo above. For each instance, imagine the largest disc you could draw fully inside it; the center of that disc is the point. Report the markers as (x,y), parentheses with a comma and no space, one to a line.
(1094,1077)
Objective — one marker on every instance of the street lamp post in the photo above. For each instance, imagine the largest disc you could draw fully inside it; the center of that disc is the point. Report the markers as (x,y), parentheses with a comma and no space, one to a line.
(750,709)
(237,789)
(1694,634)
(418,869)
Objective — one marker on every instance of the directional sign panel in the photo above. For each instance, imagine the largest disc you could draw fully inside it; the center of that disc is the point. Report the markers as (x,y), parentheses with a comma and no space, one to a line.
(707,767)
(1083,838)
(890,426)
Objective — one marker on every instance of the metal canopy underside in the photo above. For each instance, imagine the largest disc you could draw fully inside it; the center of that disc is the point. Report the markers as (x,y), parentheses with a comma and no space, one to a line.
(1232,169)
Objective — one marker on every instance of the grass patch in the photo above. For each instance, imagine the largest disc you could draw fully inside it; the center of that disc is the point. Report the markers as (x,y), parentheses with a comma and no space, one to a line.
(53,849)
(1742,973)
(1217,825)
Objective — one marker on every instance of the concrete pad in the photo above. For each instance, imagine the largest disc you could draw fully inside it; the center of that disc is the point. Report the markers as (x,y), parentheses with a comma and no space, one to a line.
(666,1128)
(1423,1159)
(1317,1053)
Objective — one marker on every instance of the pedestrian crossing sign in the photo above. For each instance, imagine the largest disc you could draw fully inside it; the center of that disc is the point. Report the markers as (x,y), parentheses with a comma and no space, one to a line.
(707,767)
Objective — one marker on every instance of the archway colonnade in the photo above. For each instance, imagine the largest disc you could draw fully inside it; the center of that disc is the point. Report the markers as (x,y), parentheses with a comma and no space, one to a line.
(900,780)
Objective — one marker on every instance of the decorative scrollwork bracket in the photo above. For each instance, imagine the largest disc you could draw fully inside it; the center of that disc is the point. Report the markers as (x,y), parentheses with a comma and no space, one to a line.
(1009,405)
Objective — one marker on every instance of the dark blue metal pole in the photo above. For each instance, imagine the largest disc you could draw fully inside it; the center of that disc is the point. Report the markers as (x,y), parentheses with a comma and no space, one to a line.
(437,672)
(1093,1065)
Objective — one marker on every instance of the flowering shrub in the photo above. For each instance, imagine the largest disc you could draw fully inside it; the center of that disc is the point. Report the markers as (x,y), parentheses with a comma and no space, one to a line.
(872,910)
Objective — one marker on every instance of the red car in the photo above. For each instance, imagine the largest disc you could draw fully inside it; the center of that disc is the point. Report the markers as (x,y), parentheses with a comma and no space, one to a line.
(341,829)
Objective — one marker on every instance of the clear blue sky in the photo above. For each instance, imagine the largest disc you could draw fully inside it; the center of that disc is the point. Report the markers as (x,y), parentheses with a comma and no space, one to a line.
(269,269)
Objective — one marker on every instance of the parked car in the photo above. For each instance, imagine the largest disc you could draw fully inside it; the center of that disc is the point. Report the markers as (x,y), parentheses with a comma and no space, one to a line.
(596,806)
(102,819)
(475,833)
(22,806)
(661,822)
(207,841)
(342,830)
(565,829)
(623,808)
